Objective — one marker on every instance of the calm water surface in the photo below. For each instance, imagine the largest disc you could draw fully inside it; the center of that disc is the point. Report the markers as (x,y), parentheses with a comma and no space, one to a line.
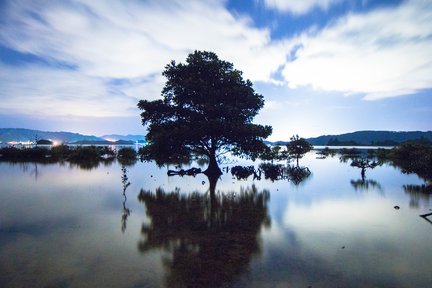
(64,226)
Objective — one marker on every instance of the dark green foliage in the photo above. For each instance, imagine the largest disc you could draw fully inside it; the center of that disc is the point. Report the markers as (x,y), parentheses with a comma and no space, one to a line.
(298,147)
(60,151)
(413,157)
(336,142)
(273,171)
(85,153)
(207,109)
(126,153)
(14,153)
(273,153)
(351,152)
(242,172)
(83,157)
(324,153)
(374,138)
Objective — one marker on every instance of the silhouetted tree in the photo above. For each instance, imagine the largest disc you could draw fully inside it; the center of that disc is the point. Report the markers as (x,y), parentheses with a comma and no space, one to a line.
(363,164)
(126,211)
(298,147)
(127,156)
(207,110)
(414,157)
(273,153)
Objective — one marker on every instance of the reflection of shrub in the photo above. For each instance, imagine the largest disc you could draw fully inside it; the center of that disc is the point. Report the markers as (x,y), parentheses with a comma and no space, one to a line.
(242,172)
(272,171)
(298,174)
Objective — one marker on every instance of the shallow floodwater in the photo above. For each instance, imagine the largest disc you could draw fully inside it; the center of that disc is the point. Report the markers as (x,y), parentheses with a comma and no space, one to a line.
(64,226)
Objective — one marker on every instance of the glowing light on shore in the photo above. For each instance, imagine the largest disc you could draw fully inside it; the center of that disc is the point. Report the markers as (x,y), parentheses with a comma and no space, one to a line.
(110,139)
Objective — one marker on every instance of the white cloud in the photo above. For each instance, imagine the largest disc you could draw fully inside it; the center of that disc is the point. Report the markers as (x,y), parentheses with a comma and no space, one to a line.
(380,54)
(299,7)
(50,92)
(384,53)
(131,40)
(138,38)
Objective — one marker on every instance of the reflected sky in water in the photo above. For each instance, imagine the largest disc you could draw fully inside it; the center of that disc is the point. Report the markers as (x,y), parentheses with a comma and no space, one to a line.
(61,226)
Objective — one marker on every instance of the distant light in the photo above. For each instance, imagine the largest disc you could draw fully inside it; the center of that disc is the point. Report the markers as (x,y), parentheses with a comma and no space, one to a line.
(110,139)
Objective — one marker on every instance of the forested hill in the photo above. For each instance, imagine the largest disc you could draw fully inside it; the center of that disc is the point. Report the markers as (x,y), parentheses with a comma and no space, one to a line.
(370,138)
(20,134)
(355,138)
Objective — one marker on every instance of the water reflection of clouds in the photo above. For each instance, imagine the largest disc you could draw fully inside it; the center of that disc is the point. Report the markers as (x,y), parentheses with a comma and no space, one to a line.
(345,239)
(341,215)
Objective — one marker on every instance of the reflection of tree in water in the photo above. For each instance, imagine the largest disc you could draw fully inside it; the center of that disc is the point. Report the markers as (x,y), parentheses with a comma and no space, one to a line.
(294,173)
(90,164)
(126,211)
(298,174)
(210,237)
(365,185)
(418,193)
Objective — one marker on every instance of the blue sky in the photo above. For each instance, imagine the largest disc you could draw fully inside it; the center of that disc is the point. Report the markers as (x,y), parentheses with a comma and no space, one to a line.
(323,66)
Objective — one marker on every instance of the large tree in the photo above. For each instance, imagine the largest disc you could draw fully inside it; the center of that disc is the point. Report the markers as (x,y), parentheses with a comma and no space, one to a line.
(207,110)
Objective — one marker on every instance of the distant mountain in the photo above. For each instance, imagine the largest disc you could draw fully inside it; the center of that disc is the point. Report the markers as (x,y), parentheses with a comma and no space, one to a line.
(116,137)
(104,142)
(23,135)
(378,138)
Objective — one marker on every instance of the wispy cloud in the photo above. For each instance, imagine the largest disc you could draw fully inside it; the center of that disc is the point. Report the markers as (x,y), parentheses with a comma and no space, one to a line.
(112,53)
(138,38)
(131,40)
(299,7)
(45,91)
(384,53)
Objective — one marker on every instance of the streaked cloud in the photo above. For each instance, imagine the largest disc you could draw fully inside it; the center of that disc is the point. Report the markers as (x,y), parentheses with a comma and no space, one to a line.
(138,38)
(299,7)
(384,53)
(45,91)
(132,41)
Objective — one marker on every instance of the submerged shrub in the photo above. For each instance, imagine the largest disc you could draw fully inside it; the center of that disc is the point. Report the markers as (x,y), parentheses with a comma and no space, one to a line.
(127,156)
(83,153)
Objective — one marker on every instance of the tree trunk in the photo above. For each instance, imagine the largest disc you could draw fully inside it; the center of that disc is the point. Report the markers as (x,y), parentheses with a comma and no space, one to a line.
(213,168)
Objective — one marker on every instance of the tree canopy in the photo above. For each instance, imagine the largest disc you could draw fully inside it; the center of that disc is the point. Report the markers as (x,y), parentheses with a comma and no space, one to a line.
(207,110)
(298,147)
